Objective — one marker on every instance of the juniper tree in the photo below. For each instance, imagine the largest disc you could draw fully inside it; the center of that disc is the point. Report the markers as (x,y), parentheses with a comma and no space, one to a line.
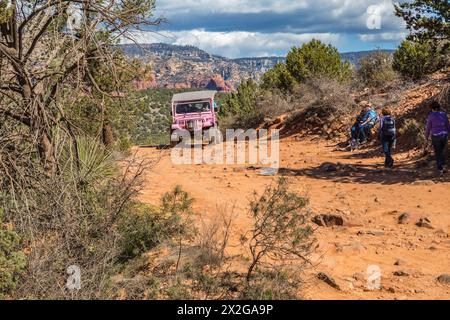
(426,19)
(47,48)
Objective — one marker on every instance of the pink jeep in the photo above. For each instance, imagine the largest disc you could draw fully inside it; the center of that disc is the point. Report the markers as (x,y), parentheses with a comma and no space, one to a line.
(194,111)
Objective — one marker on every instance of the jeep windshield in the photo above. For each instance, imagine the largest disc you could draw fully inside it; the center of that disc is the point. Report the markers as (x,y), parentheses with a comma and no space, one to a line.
(194,107)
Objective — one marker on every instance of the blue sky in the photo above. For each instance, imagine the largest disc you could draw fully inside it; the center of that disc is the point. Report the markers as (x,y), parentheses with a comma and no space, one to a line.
(244,28)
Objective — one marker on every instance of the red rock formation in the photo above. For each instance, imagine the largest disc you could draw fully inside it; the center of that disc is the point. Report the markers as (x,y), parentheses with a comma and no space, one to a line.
(219,84)
(144,84)
(216,82)
(180,85)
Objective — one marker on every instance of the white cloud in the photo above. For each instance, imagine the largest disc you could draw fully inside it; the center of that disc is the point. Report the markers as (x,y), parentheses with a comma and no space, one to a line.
(236,28)
(385,36)
(236,44)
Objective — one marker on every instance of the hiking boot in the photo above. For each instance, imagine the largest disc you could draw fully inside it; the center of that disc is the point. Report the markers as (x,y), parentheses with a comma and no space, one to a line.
(353,145)
(391,163)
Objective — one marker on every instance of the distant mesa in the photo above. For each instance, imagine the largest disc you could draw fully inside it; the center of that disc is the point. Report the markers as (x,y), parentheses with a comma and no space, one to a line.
(185,67)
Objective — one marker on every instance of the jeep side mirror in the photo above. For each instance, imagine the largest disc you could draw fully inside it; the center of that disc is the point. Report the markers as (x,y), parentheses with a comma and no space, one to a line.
(216,107)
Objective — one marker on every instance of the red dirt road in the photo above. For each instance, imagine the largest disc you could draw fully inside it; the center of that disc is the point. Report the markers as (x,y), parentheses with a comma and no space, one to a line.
(365,194)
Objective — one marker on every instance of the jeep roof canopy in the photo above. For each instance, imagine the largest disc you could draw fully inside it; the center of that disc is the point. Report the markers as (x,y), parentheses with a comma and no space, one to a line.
(193,96)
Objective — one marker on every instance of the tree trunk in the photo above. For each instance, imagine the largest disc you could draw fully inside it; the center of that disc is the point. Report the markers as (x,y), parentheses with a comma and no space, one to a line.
(46,153)
(250,271)
(107,134)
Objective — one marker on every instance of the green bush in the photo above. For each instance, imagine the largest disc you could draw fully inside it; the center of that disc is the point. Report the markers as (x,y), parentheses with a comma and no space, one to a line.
(12,259)
(312,60)
(376,69)
(239,110)
(278,77)
(281,230)
(272,285)
(414,60)
(143,227)
(243,101)
(316,59)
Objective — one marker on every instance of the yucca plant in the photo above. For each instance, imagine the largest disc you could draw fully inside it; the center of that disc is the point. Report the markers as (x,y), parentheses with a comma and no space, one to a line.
(85,160)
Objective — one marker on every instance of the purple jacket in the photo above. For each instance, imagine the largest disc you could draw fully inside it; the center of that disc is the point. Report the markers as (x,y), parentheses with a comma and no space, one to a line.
(437,124)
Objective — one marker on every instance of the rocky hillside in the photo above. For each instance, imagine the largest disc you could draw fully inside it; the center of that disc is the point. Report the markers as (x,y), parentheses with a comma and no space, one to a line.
(189,67)
(409,103)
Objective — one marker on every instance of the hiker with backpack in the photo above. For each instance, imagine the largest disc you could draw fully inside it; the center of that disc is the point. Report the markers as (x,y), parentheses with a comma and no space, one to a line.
(388,136)
(438,128)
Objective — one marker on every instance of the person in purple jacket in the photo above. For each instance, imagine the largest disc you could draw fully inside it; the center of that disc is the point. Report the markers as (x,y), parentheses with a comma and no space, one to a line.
(438,127)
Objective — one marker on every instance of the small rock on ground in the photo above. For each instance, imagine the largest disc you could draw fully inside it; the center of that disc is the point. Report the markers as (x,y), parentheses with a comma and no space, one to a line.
(328,280)
(400,262)
(424,223)
(401,274)
(404,218)
(328,220)
(444,278)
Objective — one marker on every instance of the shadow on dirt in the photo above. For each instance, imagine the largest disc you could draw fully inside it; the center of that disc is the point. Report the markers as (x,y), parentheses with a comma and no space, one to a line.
(359,173)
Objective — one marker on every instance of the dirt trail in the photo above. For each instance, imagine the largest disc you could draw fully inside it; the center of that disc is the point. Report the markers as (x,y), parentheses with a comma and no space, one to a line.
(365,194)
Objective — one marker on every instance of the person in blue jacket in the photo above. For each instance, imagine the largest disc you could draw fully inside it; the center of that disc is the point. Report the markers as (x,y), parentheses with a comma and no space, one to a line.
(364,122)
(368,121)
